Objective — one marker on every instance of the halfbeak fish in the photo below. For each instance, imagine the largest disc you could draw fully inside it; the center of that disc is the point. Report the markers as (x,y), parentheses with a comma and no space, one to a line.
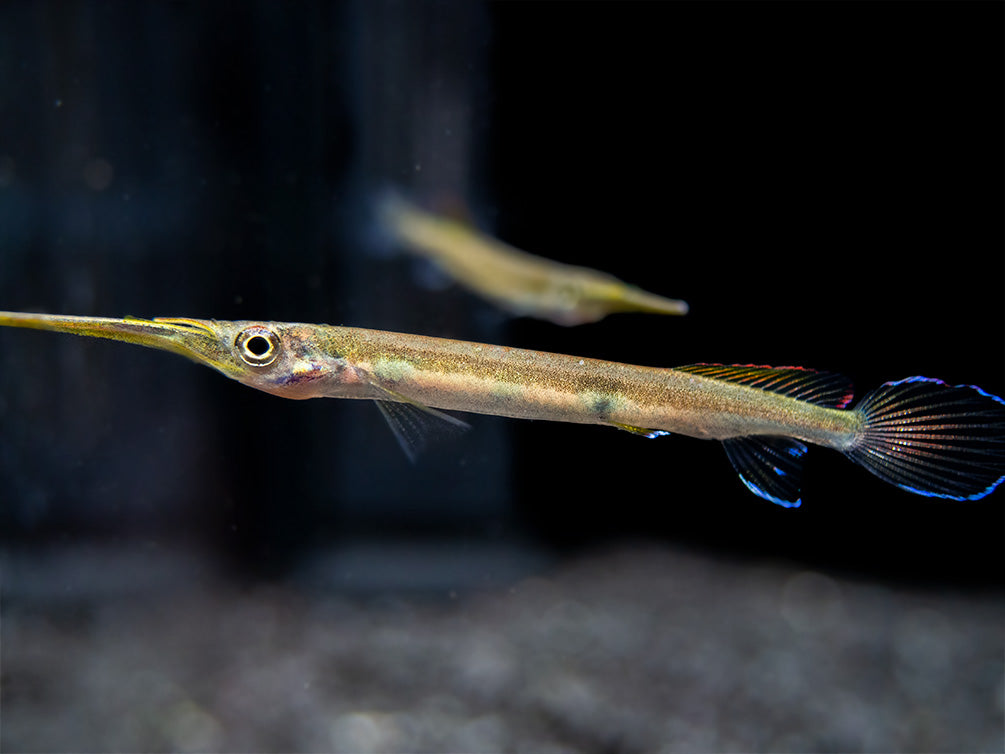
(920,434)
(518,282)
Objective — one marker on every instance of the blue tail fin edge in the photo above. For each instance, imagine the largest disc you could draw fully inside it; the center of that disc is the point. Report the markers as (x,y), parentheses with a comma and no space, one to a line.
(932,438)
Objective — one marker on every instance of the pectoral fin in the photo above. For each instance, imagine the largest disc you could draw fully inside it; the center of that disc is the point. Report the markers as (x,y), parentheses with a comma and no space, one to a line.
(415,424)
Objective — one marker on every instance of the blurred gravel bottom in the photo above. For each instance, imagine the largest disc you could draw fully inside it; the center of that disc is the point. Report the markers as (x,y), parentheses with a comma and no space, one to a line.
(638,649)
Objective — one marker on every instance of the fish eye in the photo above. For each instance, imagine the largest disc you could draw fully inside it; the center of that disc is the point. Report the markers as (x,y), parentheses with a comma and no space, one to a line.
(258,346)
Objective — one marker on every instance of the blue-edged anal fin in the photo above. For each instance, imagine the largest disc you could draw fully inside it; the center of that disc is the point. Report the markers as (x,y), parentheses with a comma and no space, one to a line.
(771,467)
(415,424)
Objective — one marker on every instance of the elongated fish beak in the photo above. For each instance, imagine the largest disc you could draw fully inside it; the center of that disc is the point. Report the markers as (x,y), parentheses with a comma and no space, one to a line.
(634,299)
(203,341)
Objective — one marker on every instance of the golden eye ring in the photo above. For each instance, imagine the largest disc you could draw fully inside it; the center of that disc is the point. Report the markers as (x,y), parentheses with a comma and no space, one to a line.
(258,346)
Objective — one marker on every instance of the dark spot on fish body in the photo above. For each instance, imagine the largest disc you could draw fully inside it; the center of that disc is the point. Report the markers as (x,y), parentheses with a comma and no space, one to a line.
(600,405)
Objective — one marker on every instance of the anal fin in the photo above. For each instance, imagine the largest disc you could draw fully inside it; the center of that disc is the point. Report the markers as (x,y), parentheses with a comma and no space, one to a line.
(770,467)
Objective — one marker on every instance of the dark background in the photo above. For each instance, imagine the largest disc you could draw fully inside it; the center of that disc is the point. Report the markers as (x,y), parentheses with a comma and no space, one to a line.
(190,564)
(823,183)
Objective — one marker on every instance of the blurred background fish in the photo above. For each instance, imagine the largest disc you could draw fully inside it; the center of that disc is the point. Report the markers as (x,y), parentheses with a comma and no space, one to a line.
(518,282)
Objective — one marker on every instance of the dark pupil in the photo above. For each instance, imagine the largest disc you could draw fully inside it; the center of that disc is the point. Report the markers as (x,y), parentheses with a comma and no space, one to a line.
(257,345)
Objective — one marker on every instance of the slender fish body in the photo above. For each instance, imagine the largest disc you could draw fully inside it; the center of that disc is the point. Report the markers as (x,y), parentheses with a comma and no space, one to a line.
(518,282)
(921,434)
(485,379)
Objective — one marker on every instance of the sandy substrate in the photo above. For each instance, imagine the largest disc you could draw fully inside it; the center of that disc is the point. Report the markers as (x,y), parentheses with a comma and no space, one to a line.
(629,650)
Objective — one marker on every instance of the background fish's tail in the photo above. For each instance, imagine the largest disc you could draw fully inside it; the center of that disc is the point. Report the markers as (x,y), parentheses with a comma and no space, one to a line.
(932,439)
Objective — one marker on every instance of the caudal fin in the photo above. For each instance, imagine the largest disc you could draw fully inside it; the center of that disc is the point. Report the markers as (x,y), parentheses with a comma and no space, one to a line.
(933,439)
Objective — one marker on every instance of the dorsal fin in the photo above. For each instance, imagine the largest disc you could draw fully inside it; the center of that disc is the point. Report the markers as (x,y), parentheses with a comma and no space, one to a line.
(821,388)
